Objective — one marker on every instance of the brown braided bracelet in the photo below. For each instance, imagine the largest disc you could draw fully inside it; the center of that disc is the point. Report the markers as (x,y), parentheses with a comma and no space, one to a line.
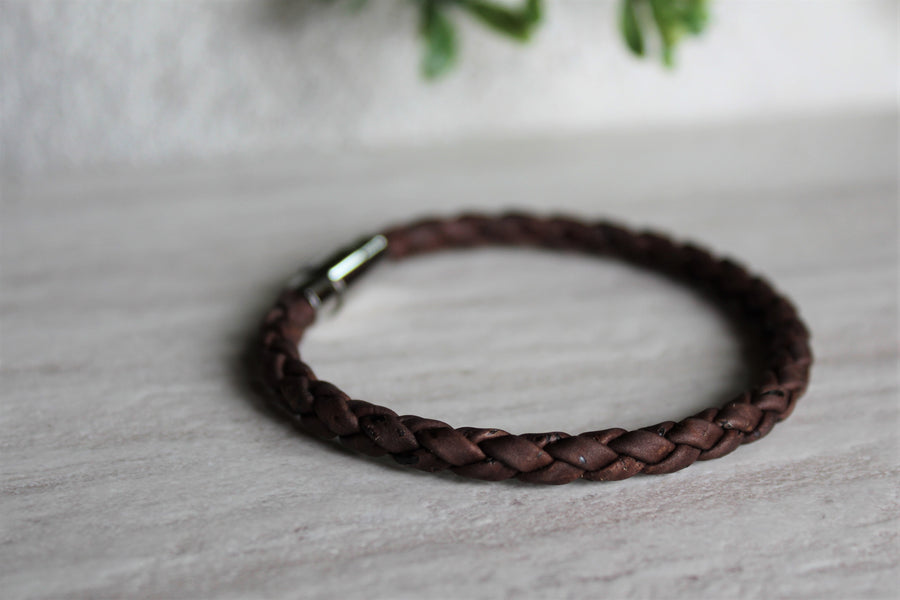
(555,457)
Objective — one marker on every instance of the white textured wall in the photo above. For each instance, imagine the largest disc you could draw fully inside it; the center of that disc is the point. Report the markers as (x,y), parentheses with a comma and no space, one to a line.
(105,82)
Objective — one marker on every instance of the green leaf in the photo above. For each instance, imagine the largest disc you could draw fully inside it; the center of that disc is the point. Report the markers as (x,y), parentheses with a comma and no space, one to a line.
(515,23)
(665,13)
(440,41)
(674,19)
(631,29)
(668,56)
(533,11)
(696,16)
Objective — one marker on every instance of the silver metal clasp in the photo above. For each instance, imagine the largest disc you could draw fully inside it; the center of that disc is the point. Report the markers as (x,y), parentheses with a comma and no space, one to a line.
(329,279)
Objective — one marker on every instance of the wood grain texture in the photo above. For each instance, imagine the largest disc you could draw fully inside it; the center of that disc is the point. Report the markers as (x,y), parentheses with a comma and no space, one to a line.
(138,463)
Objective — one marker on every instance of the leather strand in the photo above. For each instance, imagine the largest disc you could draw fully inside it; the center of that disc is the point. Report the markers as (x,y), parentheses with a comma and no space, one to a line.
(556,457)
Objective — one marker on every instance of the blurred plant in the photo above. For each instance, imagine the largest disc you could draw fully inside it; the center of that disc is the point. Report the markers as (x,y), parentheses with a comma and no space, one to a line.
(440,36)
(671,19)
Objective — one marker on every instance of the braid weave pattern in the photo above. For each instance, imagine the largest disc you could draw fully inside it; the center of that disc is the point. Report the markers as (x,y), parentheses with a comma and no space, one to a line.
(555,457)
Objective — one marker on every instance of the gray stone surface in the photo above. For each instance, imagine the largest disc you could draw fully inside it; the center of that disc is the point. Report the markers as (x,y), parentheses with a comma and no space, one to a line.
(137,463)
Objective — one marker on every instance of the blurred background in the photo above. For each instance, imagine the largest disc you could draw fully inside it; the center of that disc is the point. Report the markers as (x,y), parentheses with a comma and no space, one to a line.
(88,84)
(166,165)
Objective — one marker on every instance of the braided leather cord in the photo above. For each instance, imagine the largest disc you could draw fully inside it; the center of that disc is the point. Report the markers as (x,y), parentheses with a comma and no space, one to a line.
(554,457)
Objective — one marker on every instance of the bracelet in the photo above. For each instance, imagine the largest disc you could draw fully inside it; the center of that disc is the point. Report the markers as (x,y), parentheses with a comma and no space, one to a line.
(555,457)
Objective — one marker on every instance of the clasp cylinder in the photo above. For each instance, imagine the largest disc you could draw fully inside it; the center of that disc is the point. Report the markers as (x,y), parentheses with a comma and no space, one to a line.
(330,278)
